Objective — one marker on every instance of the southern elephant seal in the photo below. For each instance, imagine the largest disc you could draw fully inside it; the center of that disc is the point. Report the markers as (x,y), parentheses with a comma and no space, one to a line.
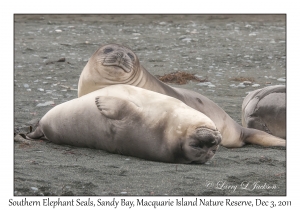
(115,64)
(132,121)
(265,109)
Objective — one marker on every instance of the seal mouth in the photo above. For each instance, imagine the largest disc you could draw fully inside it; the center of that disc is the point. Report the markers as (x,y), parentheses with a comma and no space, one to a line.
(119,58)
(120,63)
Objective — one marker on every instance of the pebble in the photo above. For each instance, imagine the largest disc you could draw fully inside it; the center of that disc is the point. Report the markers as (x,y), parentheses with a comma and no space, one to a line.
(26,86)
(255,85)
(247,83)
(28,89)
(186,39)
(123,193)
(241,85)
(210,90)
(182,37)
(205,84)
(46,103)
(282,79)
(233,85)
(41,89)
(58,31)
(34,188)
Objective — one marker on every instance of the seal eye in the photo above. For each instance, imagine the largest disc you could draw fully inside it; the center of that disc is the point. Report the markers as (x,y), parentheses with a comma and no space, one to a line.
(107,50)
(131,56)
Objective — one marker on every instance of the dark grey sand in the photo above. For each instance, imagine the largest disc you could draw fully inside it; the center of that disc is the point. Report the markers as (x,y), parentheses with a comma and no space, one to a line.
(219,47)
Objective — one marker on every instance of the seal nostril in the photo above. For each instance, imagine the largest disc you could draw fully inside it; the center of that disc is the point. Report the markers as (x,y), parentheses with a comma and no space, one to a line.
(130,56)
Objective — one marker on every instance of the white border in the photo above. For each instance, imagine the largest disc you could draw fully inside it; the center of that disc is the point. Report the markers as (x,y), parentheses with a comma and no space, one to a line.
(154,6)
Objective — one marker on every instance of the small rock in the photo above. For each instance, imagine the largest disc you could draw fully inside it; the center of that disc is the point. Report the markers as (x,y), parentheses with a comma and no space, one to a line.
(204,83)
(46,103)
(182,37)
(281,79)
(26,86)
(58,31)
(241,85)
(61,60)
(123,193)
(34,188)
(255,85)
(186,39)
(247,83)
(41,89)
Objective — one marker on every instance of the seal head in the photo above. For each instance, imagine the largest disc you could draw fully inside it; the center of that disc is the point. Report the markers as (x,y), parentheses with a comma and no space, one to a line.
(201,145)
(117,56)
(110,65)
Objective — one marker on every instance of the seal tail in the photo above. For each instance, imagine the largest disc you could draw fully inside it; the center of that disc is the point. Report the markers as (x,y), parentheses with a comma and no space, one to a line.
(254,136)
(36,134)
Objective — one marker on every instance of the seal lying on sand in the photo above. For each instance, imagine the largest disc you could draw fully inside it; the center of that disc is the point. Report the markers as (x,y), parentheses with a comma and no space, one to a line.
(265,109)
(115,64)
(132,121)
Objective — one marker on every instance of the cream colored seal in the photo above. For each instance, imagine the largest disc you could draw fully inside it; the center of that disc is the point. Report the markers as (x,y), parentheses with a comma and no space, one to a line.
(132,121)
(115,64)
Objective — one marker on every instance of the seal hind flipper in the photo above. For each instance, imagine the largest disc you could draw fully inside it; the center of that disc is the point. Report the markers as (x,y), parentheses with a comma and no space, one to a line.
(254,136)
(114,108)
(36,134)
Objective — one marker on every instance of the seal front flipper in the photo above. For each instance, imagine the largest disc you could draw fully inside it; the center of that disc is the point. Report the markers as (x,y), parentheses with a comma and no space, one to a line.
(115,108)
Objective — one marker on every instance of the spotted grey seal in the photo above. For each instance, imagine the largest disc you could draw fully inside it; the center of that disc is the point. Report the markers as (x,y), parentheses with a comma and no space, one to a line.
(265,109)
